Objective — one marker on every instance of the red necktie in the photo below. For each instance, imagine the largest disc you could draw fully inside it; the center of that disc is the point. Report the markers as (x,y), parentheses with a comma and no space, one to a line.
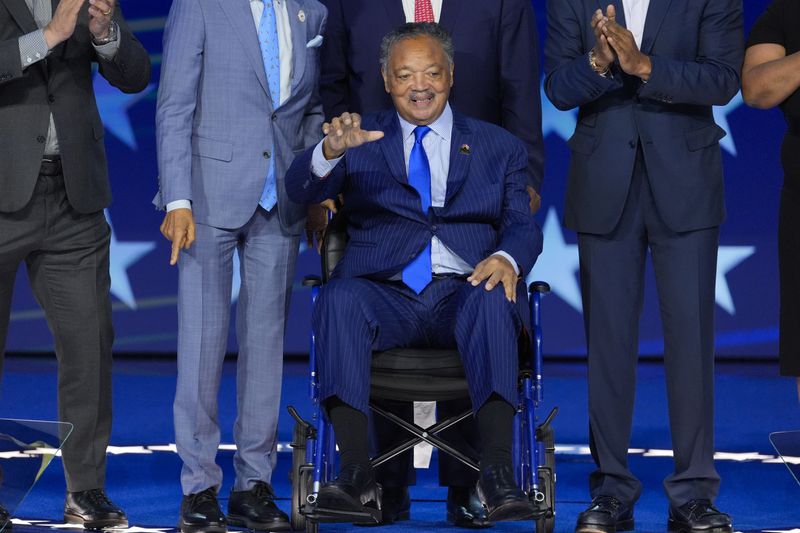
(423,11)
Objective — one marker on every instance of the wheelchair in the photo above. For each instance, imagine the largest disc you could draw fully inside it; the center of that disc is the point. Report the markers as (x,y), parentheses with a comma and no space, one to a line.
(422,375)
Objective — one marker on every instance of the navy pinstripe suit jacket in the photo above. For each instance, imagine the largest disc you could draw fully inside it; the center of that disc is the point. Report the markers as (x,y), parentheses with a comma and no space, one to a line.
(486,206)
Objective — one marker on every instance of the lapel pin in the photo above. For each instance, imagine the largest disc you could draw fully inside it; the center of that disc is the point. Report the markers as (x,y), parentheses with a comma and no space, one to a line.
(464,149)
(301,16)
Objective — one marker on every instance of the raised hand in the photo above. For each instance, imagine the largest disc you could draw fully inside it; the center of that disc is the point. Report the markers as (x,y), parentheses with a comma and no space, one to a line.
(631,60)
(345,132)
(62,25)
(100,14)
(603,53)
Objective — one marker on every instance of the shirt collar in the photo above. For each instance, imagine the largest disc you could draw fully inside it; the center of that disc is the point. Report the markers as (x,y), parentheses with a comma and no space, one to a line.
(442,126)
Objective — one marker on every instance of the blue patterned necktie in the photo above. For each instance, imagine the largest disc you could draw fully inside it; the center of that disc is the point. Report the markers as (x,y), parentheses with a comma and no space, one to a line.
(417,274)
(270,53)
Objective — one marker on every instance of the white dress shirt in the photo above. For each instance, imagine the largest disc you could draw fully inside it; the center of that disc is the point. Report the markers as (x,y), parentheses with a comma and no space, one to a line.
(285,48)
(635,16)
(437,148)
(408,9)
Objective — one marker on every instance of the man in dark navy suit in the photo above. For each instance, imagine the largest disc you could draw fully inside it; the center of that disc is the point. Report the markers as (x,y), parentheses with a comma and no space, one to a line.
(497,80)
(441,236)
(646,173)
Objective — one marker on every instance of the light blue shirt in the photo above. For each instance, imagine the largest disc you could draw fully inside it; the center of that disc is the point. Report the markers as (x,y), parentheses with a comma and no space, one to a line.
(437,148)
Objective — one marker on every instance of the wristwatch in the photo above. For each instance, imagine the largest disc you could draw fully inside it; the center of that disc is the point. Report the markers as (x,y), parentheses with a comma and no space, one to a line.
(113,32)
(595,67)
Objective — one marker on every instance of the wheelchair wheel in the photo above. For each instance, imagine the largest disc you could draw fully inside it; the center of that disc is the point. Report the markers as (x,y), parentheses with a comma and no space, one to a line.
(299,478)
(312,527)
(545,509)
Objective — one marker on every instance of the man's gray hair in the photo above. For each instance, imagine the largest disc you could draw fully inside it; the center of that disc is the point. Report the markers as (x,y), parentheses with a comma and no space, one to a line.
(412,30)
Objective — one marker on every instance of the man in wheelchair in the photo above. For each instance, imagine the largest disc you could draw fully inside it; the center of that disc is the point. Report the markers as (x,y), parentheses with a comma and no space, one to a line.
(440,239)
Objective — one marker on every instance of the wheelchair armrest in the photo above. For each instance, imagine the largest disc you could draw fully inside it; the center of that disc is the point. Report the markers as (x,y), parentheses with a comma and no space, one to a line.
(312,281)
(541,287)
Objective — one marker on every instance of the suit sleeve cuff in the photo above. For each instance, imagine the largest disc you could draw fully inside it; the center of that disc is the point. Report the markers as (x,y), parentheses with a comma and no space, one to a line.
(32,48)
(511,260)
(320,166)
(179,204)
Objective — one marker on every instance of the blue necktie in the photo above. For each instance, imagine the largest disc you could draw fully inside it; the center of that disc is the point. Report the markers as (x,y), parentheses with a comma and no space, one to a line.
(417,274)
(270,53)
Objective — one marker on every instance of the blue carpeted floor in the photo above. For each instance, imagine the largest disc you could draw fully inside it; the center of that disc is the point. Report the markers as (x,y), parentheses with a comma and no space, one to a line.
(751,403)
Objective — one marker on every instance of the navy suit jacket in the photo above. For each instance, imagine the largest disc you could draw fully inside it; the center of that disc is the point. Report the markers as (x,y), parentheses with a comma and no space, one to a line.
(486,205)
(696,48)
(496,59)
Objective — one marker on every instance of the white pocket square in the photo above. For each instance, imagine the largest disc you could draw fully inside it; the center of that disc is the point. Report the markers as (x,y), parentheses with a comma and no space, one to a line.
(315,42)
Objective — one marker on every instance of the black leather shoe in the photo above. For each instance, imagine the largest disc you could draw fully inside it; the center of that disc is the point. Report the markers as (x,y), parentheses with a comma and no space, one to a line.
(5,519)
(355,491)
(504,500)
(464,508)
(698,516)
(605,515)
(256,509)
(396,507)
(200,513)
(93,510)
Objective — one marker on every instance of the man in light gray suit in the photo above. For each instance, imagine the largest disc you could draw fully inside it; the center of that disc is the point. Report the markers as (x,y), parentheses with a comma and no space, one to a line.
(238,99)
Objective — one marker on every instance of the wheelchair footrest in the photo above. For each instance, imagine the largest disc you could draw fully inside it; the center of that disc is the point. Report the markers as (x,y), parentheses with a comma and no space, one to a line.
(317,514)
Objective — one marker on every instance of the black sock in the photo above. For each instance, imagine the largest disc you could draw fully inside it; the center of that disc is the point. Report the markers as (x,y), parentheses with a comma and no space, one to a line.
(350,426)
(495,423)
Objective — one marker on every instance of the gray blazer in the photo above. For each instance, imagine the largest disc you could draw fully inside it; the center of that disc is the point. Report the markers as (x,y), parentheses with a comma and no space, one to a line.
(61,84)
(216,124)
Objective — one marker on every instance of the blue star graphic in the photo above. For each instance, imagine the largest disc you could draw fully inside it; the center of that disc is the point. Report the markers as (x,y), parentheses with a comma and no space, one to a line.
(728,258)
(123,255)
(561,123)
(721,117)
(113,105)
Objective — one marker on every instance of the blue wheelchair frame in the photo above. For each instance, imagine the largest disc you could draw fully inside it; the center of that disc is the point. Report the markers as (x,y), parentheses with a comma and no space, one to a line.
(314,456)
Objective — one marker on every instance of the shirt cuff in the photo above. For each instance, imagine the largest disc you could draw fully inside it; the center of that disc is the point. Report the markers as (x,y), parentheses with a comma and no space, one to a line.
(32,48)
(511,260)
(320,166)
(179,204)
(109,50)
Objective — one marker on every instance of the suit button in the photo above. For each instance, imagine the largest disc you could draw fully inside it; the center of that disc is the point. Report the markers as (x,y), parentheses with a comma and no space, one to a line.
(274,117)
(632,144)
(434,228)
(41,139)
(266,155)
(51,98)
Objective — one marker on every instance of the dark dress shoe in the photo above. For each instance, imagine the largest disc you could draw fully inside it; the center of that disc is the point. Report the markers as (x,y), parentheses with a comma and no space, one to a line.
(200,513)
(465,509)
(355,492)
(93,510)
(504,500)
(698,516)
(606,514)
(396,507)
(5,519)
(256,509)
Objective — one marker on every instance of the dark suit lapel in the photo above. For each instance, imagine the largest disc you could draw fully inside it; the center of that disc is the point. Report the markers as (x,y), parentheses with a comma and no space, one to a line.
(297,22)
(392,146)
(21,14)
(241,18)
(449,14)
(461,148)
(394,9)
(655,16)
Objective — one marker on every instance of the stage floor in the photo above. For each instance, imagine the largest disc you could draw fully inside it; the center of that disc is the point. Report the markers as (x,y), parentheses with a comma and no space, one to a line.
(752,401)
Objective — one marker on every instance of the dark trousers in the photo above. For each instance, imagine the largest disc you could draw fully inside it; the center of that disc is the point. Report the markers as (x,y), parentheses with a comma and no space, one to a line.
(66,255)
(612,283)
(354,317)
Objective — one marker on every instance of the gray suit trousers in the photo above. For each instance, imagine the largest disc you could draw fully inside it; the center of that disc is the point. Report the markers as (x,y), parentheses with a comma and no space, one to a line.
(66,254)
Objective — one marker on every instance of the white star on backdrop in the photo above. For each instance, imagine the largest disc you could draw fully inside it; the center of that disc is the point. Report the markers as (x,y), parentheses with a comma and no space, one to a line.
(728,258)
(122,256)
(721,118)
(113,105)
(556,121)
(558,264)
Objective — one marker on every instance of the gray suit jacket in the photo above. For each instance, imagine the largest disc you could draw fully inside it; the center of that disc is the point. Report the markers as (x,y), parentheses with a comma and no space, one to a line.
(61,84)
(216,124)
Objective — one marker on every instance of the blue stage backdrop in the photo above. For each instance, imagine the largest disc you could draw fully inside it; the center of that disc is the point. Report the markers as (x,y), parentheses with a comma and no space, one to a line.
(144,285)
